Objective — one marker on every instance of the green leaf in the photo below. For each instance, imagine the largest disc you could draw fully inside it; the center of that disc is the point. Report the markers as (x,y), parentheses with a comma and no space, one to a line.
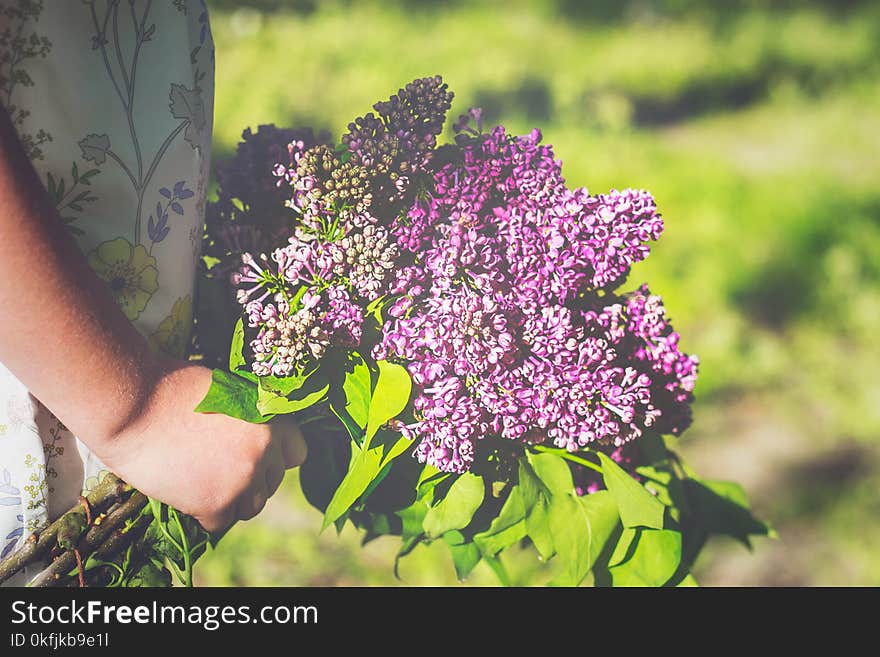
(236,349)
(354,431)
(570,529)
(492,544)
(602,516)
(285,386)
(396,450)
(658,483)
(210,261)
(553,472)
(155,508)
(363,469)
(407,546)
(411,533)
(538,529)
(390,396)
(655,557)
(376,525)
(311,390)
(457,508)
(357,392)
(430,473)
(530,487)
(507,528)
(465,555)
(374,308)
(383,472)
(622,551)
(427,485)
(499,570)
(232,395)
(535,495)
(328,461)
(638,508)
(723,508)
(413,516)
(558,523)
(688,581)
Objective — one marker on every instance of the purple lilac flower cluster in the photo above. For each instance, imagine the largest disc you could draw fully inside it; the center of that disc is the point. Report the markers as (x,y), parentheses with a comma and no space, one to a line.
(508,320)
(498,284)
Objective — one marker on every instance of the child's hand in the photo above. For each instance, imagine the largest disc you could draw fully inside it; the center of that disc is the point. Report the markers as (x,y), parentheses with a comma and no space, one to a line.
(213,467)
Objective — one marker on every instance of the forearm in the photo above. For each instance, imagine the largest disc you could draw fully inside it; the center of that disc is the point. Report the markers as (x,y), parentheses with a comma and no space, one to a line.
(61,333)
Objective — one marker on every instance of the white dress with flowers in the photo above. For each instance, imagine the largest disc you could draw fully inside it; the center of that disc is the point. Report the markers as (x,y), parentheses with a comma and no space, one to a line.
(113,101)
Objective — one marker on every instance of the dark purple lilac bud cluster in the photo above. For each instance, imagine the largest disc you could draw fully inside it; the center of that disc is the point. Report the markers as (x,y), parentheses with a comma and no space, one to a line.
(396,144)
(508,321)
(374,174)
(249,213)
(417,112)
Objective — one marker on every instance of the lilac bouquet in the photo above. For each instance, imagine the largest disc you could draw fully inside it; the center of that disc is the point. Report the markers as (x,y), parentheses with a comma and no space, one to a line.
(448,325)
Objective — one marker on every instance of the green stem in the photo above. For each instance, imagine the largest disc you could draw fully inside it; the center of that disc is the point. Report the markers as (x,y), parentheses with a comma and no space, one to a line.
(187,555)
(568,456)
(166,533)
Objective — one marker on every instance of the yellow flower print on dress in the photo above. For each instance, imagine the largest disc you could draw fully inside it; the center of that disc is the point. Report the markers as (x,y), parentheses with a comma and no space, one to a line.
(92,482)
(129,271)
(171,337)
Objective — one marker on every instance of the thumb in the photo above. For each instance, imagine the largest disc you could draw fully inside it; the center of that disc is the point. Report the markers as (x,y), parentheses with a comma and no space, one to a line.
(288,435)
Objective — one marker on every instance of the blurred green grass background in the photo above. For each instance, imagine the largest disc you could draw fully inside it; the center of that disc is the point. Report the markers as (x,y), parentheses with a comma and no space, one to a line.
(757,127)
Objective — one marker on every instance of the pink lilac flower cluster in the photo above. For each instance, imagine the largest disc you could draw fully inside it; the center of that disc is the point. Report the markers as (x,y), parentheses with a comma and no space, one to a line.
(508,320)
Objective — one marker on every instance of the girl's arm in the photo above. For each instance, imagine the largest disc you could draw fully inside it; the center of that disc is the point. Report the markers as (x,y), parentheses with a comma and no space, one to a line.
(62,335)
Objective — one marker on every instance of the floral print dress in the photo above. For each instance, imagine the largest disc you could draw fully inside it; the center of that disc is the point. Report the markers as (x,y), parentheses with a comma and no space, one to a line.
(113,102)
